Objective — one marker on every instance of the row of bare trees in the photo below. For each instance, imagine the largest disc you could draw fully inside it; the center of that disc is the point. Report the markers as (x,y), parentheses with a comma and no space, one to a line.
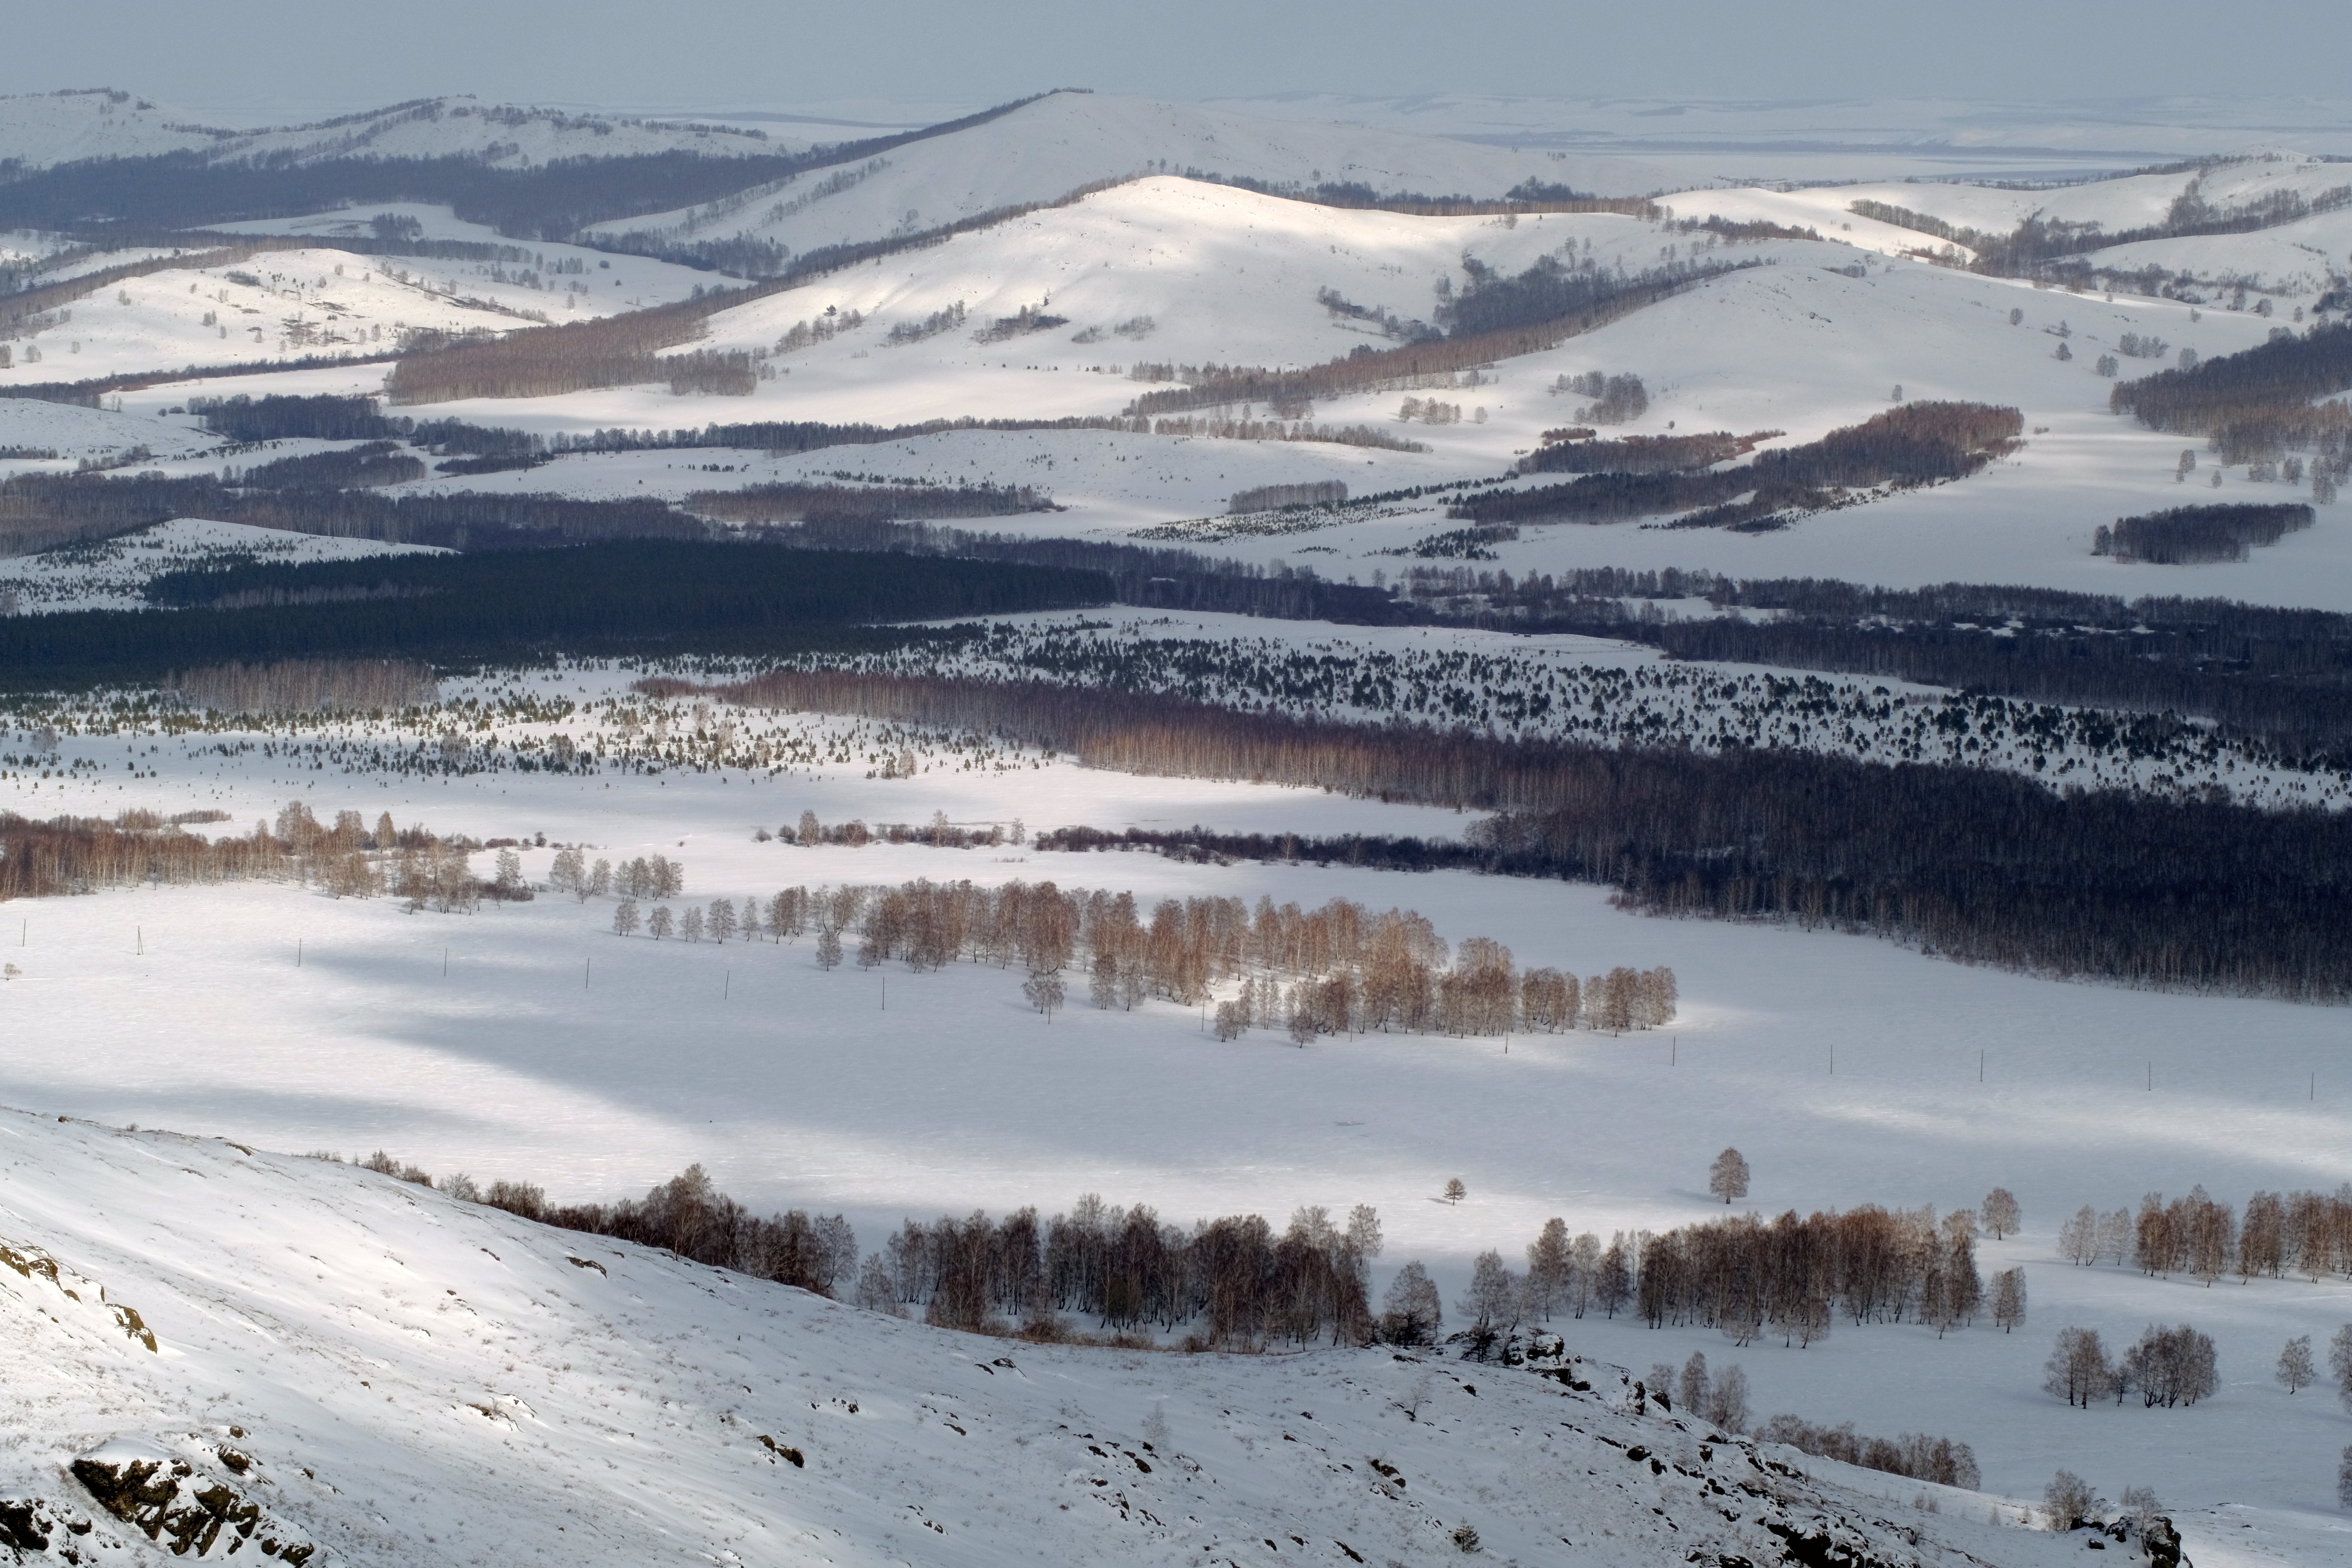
(2306,1233)
(1790,1277)
(307,686)
(1340,969)
(1235,1281)
(81,855)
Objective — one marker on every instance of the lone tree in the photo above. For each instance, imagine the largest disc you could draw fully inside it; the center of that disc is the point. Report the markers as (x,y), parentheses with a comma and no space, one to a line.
(2068,1501)
(1727,1178)
(1999,1212)
(2295,1364)
(1454,1191)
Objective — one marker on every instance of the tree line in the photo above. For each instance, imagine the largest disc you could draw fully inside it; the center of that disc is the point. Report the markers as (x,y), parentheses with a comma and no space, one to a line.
(638,593)
(1792,1277)
(2273,382)
(1574,454)
(69,855)
(2186,535)
(2302,1232)
(1339,969)
(1916,443)
(1971,864)
(1499,333)
(549,200)
(794,502)
(2281,677)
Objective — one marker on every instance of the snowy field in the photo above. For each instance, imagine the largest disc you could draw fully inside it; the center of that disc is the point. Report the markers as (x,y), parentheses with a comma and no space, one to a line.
(382,1344)
(384,1375)
(528,1042)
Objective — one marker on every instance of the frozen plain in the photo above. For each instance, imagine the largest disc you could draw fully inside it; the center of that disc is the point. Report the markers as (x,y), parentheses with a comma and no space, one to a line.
(555,1052)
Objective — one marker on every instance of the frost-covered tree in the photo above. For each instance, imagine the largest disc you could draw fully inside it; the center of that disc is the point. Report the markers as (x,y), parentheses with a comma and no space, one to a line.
(2068,1501)
(564,874)
(1045,992)
(659,925)
(1613,1281)
(1726,1401)
(1549,1263)
(722,919)
(599,883)
(2343,1478)
(1727,1177)
(689,925)
(1999,1213)
(625,918)
(2009,1299)
(1692,1387)
(828,948)
(1411,1313)
(2295,1368)
(2078,1370)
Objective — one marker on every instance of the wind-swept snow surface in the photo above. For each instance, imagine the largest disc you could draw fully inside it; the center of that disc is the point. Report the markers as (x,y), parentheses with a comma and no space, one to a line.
(384,1376)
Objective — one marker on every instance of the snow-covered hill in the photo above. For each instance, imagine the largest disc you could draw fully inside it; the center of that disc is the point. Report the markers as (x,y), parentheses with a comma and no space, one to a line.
(41,130)
(327,1359)
(1045,150)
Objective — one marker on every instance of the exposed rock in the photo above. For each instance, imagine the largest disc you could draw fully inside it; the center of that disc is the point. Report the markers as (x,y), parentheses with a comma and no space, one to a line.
(165,1495)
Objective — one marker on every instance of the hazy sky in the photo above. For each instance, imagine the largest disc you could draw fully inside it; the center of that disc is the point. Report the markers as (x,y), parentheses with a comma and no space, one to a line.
(763,54)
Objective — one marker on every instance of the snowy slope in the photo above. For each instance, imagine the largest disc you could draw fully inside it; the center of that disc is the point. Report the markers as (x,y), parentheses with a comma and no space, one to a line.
(552,1051)
(39,130)
(109,575)
(310,302)
(1045,150)
(399,1378)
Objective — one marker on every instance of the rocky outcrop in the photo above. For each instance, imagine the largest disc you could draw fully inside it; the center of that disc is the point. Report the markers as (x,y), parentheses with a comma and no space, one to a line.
(168,1497)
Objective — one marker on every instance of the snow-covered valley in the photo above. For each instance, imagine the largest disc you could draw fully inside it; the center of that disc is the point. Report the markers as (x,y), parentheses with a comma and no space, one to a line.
(219,1328)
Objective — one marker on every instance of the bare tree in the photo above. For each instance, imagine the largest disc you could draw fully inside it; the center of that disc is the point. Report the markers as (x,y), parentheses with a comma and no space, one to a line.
(2001,1213)
(599,883)
(1727,1177)
(625,918)
(689,925)
(1044,991)
(2295,1368)
(1409,1311)
(2343,1478)
(1454,1191)
(1549,1264)
(828,948)
(722,919)
(1692,1387)
(2078,1370)
(2068,1501)
(1727,1402)
(2009,1299)
(659,925)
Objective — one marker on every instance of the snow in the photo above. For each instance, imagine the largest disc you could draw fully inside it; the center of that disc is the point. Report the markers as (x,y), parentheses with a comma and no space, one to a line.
(46,129)
(315,301)
(111,574)
(401,1378)
(1044,150)
(887,1095)
(457,1388)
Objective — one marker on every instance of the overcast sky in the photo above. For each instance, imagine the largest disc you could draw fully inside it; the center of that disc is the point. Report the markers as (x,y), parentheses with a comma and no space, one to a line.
(774,55)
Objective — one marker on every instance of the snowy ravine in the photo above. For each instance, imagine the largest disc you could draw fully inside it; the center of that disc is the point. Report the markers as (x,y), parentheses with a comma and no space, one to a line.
(379,1373)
